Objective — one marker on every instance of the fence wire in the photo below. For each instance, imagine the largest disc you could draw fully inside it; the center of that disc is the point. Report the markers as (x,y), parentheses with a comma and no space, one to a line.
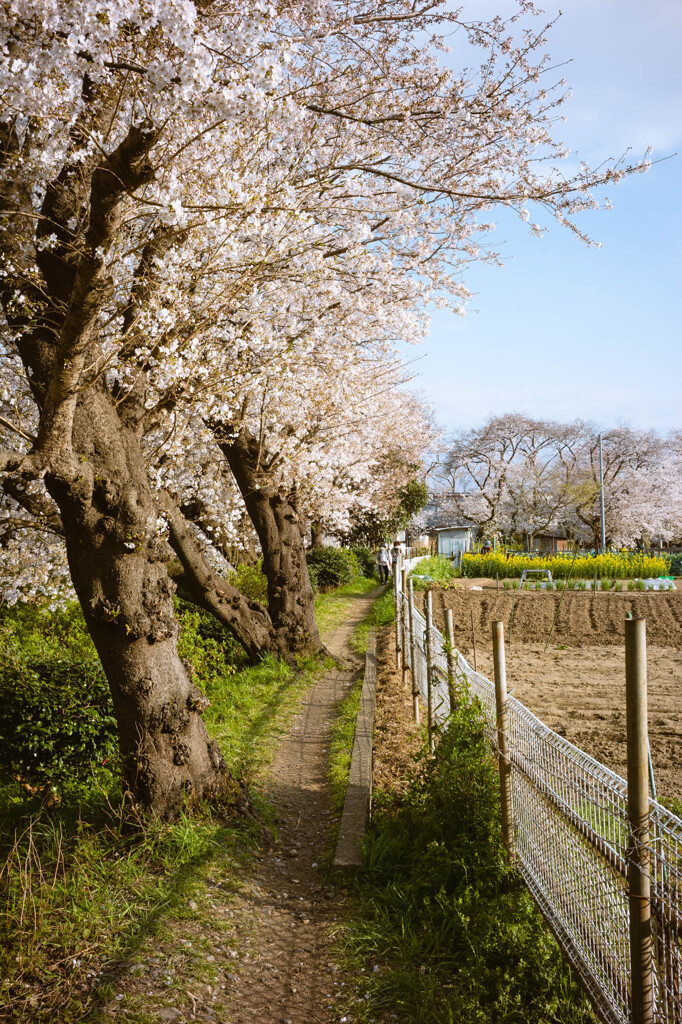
(572,839)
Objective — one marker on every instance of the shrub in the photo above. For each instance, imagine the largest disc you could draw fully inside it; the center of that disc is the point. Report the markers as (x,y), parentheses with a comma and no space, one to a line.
(332,567)
(366,561)
(250,580)
(206,644)
(56,715)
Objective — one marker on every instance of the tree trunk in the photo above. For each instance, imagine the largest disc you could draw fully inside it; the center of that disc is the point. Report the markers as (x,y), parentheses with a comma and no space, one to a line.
(118,565)
(317,535)
(246,620)
(276,520)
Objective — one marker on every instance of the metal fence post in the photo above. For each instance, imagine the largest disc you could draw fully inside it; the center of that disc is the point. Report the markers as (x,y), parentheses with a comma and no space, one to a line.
(639,853)
(428,608)
(502,741)
(452,663)
(413,652)
(405,623)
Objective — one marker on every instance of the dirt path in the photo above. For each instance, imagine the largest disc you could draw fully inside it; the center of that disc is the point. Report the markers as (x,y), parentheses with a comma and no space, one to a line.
(254,944)
(288,976)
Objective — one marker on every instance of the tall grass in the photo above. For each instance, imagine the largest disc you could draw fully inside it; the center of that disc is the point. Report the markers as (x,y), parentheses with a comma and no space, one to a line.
(80,889)
(447,931)
(439,568)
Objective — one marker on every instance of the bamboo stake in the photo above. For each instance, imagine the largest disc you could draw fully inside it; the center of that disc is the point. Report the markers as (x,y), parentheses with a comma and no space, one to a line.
(639,852)
(473,633)
(502,731)
(413,652)
(429,671)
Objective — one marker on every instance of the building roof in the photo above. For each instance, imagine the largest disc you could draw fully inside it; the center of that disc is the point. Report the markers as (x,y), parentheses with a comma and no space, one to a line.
(438,519)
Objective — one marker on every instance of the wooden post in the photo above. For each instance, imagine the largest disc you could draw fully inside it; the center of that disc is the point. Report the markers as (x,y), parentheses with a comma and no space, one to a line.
(398,616)
(452,662)
(473,634)
(639,854)
(405,624)
(429,670)
(502,743)
(413,652)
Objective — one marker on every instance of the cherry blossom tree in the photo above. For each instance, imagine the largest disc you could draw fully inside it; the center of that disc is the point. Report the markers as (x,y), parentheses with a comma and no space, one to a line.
(181,185)
(519,475)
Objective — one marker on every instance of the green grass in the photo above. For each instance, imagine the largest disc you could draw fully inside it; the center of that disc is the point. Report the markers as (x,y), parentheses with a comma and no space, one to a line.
(341,742)
(382,613)
(332,608)
(446,930)
(81,892)
(439,568)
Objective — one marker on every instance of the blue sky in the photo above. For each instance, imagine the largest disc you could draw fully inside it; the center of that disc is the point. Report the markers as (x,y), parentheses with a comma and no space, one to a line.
(562,330)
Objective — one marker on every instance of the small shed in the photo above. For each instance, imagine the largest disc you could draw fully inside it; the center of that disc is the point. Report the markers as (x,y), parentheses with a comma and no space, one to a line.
(446,533)
(452,539)
(550,541)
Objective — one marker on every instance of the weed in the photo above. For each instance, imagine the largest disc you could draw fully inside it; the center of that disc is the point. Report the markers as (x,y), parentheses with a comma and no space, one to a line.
(80,890)
(440,569)
(448,931)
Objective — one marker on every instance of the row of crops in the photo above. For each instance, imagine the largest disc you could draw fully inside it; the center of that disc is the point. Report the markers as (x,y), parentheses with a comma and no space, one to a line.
(627,566)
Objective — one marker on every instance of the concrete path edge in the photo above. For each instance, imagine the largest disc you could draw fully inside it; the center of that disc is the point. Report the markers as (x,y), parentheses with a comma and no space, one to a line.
(356,808)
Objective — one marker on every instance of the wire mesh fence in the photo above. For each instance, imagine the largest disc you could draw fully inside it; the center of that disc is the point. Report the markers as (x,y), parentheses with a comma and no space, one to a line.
(572,840)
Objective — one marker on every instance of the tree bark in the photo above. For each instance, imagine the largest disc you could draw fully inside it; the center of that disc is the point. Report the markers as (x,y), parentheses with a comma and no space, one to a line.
(246,620)
(277,521)
(118,565)
(94,469)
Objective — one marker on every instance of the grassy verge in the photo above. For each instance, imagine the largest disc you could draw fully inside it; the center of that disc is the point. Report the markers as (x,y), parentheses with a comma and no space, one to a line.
(382,613)
(331,608)
(81,893)
(446,930)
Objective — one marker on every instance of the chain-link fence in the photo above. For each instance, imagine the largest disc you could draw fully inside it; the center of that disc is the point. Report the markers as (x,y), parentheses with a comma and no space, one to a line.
(570,836)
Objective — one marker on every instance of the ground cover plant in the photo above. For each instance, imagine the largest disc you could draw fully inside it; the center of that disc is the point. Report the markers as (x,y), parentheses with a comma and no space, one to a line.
(342,737)
(331,607)
(80,887)
(631,565)
(447,930)
(441,570)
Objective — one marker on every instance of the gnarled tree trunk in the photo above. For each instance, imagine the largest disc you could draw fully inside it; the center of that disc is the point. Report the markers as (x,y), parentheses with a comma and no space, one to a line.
(118,565)
(246,620)
(277,521)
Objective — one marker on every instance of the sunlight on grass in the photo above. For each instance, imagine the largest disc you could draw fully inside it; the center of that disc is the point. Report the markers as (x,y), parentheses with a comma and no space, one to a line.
(331,608)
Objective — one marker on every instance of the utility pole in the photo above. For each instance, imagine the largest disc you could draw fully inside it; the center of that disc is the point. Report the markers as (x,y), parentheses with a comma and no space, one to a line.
(601,496)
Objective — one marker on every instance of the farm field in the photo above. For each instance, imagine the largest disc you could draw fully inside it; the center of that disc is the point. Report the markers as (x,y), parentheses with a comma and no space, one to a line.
(578,686)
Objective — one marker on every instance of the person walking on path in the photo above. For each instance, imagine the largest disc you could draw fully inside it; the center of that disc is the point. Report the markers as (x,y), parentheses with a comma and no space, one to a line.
(383,563)
(396,556)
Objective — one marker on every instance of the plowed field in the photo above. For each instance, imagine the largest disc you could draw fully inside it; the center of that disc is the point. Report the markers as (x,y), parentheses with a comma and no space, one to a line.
(578,686)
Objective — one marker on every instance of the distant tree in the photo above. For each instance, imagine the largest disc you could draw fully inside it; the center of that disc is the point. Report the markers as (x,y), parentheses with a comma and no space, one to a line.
(372,528)
(517,475)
